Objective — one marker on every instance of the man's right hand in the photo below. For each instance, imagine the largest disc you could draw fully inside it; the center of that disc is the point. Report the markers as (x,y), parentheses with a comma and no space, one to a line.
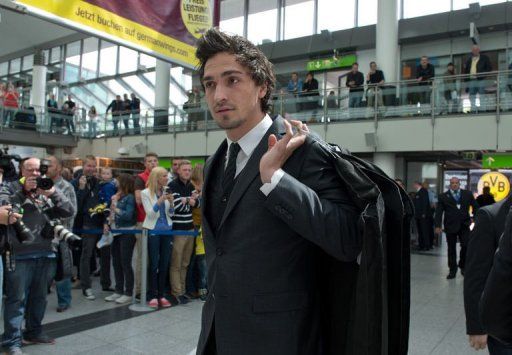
(30,184)
(4,215)
(82,182)
(478,342)
(438,231)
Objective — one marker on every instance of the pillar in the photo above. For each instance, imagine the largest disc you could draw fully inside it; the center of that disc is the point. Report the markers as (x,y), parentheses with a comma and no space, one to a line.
(385,161)
(387,53)
(162,84)
(38,92)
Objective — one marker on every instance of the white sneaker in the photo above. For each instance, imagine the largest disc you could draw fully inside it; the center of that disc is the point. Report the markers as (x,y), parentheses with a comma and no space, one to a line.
(124,299)
(88,294)
(112,297)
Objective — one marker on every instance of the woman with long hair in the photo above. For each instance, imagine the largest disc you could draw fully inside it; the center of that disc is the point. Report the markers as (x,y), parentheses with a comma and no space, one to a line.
(93,121)
(123,211)
(158,205)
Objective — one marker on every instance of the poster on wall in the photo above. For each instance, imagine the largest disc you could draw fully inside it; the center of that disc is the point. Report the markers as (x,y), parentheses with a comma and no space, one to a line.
(498,181)
(462,175)
(168,29)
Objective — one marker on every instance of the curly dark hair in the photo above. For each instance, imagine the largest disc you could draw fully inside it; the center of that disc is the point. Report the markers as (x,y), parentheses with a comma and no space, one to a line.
(247,54)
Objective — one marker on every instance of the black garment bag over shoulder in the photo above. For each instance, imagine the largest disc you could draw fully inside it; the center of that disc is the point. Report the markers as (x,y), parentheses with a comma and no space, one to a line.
(367,307)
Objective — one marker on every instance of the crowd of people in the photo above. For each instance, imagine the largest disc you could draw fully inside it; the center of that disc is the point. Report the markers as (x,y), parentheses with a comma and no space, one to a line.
(108,213)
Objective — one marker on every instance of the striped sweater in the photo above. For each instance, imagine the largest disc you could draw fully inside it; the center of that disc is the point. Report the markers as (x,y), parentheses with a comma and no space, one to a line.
(182,219)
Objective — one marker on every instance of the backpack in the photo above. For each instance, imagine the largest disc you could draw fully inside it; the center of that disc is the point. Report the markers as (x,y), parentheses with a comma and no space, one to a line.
(368,301)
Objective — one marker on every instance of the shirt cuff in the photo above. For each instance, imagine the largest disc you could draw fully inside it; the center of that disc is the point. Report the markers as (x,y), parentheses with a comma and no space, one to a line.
(269,186)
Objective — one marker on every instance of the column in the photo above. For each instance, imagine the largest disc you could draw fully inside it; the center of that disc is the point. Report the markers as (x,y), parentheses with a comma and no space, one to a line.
(385,161)
(38,92)
(162,83)
(387,54)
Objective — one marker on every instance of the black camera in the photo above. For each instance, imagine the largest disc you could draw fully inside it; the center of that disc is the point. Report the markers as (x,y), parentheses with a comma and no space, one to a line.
(7,165)
(44,182)
(24,234)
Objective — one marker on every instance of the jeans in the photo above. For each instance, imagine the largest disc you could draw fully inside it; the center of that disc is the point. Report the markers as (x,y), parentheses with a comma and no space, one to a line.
(159,250)
(497,348)
(64,292)
(122,252)
(1,281)
(26,289)
(203,274)
(88,245)
(126,123)
(355,99)
(136,124)
(476,87)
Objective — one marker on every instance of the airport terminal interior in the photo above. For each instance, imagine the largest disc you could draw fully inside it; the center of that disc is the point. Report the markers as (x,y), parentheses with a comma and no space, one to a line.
(421,89)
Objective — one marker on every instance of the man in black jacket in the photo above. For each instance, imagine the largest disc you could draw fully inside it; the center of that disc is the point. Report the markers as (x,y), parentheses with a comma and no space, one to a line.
(482,245)
(495,304)
(117,107)
(454,204)
(476,64)
(355,82)
(26,284)
(425,72)
(422,214)
(135,108)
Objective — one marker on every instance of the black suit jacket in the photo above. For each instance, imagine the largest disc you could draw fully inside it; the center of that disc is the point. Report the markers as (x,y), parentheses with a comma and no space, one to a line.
(483,65)
(422,204)
(263,259)
(454,218)
(496,301)
(483,242)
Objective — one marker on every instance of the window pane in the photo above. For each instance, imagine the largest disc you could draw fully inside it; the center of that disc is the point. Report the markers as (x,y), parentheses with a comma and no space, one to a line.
(108,58)
(415,8)
(232,16)
(28,62)
(15,66)
(146,92)
(262,11)
(90,58)
(367,13)
(334,15)
(55,56)
(127,60)
(147,61)
(299,19)
(72,62)
(3,68)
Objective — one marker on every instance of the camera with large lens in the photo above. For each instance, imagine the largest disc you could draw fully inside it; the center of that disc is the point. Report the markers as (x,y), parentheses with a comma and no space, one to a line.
(44,182)
(54,229)
(23,233)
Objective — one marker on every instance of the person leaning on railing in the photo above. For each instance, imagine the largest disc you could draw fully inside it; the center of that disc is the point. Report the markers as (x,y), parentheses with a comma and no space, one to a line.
(158,205)
(475,65)
(11,97)
(374,79)
(450,88)
(425,72)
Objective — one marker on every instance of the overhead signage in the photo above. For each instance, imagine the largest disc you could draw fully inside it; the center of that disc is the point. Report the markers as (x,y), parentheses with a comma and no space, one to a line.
(498,182)
(331,63)
(496,161)
(167,29)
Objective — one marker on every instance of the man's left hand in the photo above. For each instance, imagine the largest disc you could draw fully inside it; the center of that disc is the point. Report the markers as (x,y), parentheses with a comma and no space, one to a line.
(46,193)
(279,151)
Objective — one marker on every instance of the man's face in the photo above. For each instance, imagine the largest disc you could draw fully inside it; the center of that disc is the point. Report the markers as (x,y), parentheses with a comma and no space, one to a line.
(118,97)
(69,97)
(451,68)
(424,61)
(150,163)
(454,184)
(185,172)
(132,96)
(355,68)
(52,96)
(294,77)
(54,169)
(373,67)
(175,165)
(232,95)
(475,50)
(30,168)
(89,167)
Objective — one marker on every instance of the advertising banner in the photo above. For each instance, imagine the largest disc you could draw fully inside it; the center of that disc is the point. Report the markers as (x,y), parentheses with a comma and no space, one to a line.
(168,29)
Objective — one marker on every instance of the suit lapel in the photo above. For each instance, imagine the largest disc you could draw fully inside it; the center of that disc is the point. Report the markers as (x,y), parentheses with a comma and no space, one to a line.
(207,176)
(252,169)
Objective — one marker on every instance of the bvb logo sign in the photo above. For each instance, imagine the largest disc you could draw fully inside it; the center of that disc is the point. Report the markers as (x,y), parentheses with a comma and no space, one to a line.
(498,182)
(196,16)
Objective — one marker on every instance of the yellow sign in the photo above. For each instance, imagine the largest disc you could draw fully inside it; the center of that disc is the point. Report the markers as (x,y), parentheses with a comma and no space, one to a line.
(135,23)
(498,182)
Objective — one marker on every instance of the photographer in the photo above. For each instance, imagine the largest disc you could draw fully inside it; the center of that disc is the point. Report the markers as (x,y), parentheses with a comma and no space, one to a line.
(32,263)
(87,189)
(6,217)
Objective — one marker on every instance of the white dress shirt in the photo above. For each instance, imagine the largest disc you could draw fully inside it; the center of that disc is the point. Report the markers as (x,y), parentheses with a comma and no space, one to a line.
(248,144)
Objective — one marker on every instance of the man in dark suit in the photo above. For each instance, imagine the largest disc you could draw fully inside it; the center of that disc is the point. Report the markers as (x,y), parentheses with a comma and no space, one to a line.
(475,66)
(454,204)
(425,72)
(271,203)
(422,215)
(495,304)
(482,245)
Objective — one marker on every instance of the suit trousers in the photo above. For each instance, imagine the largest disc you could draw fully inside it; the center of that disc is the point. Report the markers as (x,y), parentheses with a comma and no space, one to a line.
(497,348)
(423,233)
(181,253)
(451,239)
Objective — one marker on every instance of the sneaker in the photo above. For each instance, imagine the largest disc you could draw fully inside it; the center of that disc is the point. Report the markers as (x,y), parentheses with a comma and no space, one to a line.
(88,294)
(203,298)
(183,299)
(15,351)
(108,289)
(153,303)
(124,299)
(42,339)
(113,297)
(164,303)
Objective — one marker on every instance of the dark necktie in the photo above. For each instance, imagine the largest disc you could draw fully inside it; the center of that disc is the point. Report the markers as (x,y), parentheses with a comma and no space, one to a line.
(229,173)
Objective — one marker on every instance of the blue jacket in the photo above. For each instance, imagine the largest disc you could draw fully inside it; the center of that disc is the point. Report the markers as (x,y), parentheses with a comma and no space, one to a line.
(126,216)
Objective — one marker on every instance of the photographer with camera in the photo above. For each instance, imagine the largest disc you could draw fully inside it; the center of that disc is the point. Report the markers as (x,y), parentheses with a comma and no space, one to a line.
(7,216)
(87,189)
(54,172)
(32,261)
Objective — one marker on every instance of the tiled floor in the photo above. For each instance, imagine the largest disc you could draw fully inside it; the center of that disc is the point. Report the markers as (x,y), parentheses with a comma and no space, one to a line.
(437,321)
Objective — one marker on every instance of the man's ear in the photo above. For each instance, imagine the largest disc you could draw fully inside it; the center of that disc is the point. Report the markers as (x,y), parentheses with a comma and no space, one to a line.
(263,91)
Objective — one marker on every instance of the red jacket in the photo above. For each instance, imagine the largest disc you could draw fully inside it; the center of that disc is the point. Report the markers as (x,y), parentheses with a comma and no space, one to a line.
(11,99)
(141,214)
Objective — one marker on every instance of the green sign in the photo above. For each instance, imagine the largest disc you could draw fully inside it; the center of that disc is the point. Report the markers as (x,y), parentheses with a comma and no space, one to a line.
(167,163)
(496,161)
(332,63)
